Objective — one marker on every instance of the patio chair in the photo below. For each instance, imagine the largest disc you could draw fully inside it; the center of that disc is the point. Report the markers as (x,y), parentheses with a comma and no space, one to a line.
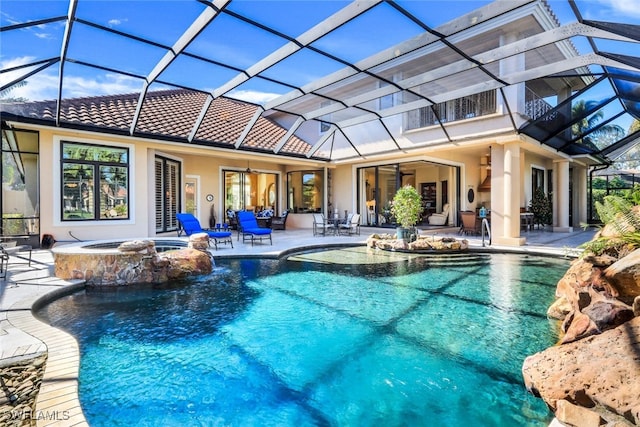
(189,224)
(319,224)
(470,223)
(6,251)
(232,219)
(248,227)
(280,222)
(439,218)
(350,227)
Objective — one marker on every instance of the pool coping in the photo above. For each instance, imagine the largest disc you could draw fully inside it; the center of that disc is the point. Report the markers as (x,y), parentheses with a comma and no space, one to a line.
(58,402)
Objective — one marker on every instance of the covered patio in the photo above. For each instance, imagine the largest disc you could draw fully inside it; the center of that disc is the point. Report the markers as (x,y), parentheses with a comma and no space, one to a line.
(227,105)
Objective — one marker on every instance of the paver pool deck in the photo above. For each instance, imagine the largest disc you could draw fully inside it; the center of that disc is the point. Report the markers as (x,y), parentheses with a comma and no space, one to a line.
(21,334)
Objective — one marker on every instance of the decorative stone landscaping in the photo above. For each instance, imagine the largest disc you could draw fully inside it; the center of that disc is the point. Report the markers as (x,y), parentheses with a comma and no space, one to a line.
(389,242)
(21,378)
(593,377)
(132,262)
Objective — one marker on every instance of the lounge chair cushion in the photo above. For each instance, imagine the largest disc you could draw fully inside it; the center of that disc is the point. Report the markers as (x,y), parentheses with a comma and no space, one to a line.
(190,225)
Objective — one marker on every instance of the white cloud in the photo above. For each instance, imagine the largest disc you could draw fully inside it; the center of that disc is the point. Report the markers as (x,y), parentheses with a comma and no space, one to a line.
(108,84)
(623,7)
(252,96)
(115,22)
(14,62)
(44,85)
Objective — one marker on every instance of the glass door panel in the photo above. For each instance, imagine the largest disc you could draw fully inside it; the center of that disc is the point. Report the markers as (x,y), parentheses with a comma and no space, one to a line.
(386,187)
(252,191)
(190,196)
(233,191)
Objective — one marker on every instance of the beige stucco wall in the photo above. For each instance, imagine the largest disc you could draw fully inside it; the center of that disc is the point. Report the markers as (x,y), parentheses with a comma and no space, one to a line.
(207,165)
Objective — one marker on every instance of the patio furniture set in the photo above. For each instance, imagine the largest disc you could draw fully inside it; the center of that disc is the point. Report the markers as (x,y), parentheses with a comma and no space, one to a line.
(337,226)
(246,224)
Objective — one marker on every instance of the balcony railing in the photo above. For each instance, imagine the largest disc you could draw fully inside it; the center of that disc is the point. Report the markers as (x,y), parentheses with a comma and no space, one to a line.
(480,104)
(534,106)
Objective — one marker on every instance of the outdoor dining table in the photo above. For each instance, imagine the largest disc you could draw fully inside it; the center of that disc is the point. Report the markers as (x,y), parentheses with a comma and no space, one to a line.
(335,222)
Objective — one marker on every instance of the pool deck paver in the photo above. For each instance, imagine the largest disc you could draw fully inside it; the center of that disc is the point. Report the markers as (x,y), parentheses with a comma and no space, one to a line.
(21,334)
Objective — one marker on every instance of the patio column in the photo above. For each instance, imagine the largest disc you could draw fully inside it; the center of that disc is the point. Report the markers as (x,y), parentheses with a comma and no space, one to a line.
(561,197)
(580,195)
(505,195)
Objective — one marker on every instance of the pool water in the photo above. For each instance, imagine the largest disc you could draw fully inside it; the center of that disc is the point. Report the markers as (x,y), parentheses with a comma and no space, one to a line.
(344,337)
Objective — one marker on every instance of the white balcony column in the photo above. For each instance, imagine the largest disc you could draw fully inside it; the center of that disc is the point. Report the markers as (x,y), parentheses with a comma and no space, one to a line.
(514,94)
(506,180)
(561,197)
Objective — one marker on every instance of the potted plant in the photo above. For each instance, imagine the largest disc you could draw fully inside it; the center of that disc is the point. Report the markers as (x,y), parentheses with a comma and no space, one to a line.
(406,208)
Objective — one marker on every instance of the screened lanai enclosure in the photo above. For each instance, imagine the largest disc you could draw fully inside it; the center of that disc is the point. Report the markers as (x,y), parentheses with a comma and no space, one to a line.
(345,82)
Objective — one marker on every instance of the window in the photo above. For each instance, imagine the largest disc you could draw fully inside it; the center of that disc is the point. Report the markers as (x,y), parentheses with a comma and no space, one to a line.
(167,193)
(20,184)
(391,100)
(95,182)
(305,191)
(537,180)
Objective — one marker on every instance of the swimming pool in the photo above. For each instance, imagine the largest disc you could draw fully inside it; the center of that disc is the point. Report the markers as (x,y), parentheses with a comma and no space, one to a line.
(341,337)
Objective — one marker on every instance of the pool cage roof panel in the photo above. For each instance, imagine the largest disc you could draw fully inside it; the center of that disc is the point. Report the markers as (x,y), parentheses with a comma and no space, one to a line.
(332,80)
(597,120)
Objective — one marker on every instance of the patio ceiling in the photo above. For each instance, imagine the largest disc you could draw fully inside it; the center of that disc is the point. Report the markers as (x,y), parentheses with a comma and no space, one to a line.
(337,75)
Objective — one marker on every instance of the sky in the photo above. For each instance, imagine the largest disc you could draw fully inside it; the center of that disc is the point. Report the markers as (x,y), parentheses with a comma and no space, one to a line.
(227,40)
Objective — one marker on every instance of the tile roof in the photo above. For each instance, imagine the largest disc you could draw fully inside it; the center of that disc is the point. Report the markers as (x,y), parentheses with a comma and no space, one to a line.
(167,114)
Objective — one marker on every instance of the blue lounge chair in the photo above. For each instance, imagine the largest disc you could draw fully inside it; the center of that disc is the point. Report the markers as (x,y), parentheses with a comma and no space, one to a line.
(190,225)
(248,227)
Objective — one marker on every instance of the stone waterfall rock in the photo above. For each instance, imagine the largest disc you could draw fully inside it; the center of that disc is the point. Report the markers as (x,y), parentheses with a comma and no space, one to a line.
(624,274)
(187,262)
(600,372)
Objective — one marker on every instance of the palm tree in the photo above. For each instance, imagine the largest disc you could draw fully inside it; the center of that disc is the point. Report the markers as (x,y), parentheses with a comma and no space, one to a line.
(5,94)
(630,159)
(598,137)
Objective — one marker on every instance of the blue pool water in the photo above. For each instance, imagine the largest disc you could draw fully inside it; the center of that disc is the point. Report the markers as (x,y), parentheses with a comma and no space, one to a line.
(343,338)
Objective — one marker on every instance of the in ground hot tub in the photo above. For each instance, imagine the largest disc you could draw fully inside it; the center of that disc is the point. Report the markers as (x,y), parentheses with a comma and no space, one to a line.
(118,262)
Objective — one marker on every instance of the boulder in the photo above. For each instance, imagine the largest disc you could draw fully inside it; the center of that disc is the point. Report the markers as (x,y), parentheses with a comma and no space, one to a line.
(624,274)
(143,246)
(199,241)
(559,309)
(187,262)
(573,415)
(581,275)
(600,371)
(600,260)
(374,239)
(577,326)
(422,243)
(608,314)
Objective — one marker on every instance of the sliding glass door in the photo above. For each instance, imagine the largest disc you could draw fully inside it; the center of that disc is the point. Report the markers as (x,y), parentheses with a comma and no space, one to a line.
(252,191)
(377,186)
